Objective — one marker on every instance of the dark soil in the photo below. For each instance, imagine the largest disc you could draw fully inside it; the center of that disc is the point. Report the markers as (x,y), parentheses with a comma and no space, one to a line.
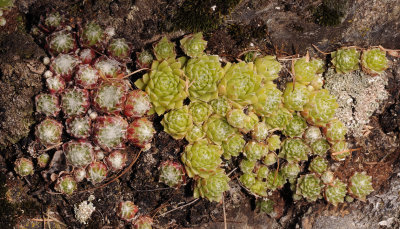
(274,27)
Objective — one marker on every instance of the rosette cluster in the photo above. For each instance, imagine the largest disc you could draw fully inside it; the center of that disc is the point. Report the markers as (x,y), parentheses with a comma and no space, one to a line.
(89,110)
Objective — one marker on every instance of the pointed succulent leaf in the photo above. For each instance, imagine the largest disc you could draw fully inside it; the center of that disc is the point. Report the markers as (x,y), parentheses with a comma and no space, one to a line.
(346,60)
(309,186)
(295,98)
(201,159)
(204,74)
(218,129)
(335,192)
(294,150)
(164,49)
(177,122)
(212,187)
(268,67)
(164,85)
(193,45)
(360,185)
(374,61)
(240,83)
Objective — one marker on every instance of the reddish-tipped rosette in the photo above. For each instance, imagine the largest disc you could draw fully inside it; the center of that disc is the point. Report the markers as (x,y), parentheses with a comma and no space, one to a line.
(110,96)
(79,153)
(87,56)
(141,132)
(75,101)
(116,160)
(143,222)
(172,174)
(49,132)
(61,42)
(137,104)
(96,172)
(109,68)
(78,127)
(66,185)
(120,50)
(87,76)
(47,104)
(127,210)
(109,132)
(64,65)
(55,84)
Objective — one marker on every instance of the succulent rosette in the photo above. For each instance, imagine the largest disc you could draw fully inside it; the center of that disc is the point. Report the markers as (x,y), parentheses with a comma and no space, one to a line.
(218,129)
(86,76)
(193,45)
(237,118)
(320,147)
(318,165)
(204,74)
(335,192)
(262,172)
(233,146)
(195,134)
(279,119)
(78,127)
(200,111)
(201,159)
(274,143)
(144,59)
(335,131)
(92,35)
(52,21)
(220,105)
(177,122)
(172,174)
(66,185)
(321,108)
(127,210)
(294,150)
(55,84)
(255,150)
(164,85)
(240,83)
(296,127)
(49,132)
(339,151)
(75,101)
(119,49)
(61,42)
(43,159)
(96,172)
(109,68)
(47,104)
(269,99)
(164,49)
(305,70)
(259,188)
(141,132)
(374,61)
(143,222)
(116,160)
(275,180)
(312,134)
(64,65)
(109,132)
(295,98)
(360,185)
(309,186)
(78,153)
(268,67)
(23,167)
(87,55)
(346,60)
(110,96)
(260,132)
(291,171)
(212,187)
(248,179)
(137,104)
(79,174)
(247,166)
(270,159)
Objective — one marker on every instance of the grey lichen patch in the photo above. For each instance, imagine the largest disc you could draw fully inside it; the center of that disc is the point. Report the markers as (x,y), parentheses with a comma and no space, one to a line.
(359,95)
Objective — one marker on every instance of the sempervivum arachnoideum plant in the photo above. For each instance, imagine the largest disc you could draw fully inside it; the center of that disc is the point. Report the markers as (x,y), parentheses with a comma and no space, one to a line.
(24,167)
(66,185)
(109,67)
(93,36)
(306,69)
(47,104)
(346,60)
(75,101)
(109,96)
(109,132)
(64,65)
(116,160)
(321,108)
(55,84)
(360,185)
(374,61)
(49,132)
(143,222)
(164,85)
(137,104)
(79,127)
(119,49)
(164,49)
(335,192)
(86,76)
(172,174)
(200,111)
(268,100)
(61,42)
(96,172)
(212,187)
(79,153)
(127,210)
(140,132)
